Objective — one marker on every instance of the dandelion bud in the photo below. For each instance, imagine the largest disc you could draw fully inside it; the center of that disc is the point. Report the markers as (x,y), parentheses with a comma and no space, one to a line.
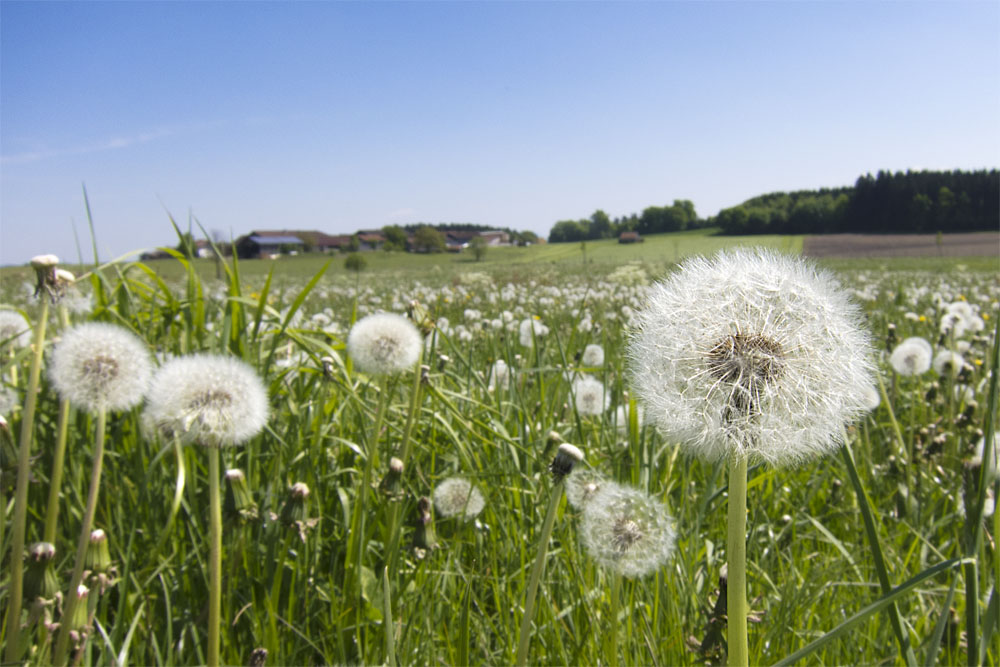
(239,502)
(98,557)
(555,438)
(425,538)
(40,581)
(45,274)
(425,374)
(327,366)
(443,360)
(567,456)
(890,337)
(294,509)
(78,622)
(390,484)
(258,657)
(64,277)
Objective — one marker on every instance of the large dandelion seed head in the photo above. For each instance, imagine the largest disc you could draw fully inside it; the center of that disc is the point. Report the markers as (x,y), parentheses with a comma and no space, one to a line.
(457,497)
(384,343)
(626,530)
(751,353)
(589,396)
(207,399)
(98,366)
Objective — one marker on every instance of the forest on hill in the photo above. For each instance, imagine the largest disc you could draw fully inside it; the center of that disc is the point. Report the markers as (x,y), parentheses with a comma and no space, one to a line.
(889,202)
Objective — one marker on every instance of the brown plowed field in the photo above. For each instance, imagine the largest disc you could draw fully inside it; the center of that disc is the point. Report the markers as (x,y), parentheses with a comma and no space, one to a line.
(902,245)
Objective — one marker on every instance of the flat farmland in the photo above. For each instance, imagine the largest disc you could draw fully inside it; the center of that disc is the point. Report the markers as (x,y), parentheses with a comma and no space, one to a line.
(974,244)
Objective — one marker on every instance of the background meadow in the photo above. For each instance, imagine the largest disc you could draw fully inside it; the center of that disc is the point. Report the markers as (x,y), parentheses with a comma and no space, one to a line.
(306,579)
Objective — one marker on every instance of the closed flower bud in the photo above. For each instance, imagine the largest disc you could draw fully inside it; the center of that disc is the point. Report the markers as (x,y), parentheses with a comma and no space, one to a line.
(239,503)
(425,537)
(390,484)
(40,580)
(566,457)
(98,556)
(295,509)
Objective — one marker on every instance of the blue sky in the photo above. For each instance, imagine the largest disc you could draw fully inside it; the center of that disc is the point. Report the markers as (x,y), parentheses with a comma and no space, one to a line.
(343,116)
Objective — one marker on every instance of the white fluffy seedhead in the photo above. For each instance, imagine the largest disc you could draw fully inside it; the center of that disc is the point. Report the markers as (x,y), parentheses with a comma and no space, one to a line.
(911,357)
(626,530)
(14,329)
(207,399)
(384,343)
(457,497)
(99,366)
(589,396)
(753,354)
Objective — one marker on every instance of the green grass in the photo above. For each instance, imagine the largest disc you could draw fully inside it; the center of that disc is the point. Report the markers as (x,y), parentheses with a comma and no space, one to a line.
(297,590)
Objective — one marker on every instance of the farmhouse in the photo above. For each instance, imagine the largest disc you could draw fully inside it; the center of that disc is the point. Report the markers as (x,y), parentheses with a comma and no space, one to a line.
(630,237)
(267,245)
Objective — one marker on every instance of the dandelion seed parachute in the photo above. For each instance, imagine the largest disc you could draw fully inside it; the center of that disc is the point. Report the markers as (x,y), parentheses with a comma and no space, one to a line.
(99,366)
(384,343)
(207,399)
(751,354)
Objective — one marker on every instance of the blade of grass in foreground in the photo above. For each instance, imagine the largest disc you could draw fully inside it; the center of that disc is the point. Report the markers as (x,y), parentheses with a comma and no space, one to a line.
(871,609)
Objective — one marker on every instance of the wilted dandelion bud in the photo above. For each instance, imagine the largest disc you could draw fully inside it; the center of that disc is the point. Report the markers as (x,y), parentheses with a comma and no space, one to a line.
(328,367)
(567,456)
(64,278)
(425,374)
(751,354)
(890,336)
(40,580)
(78,625)
(294,510)
(98,366)
(390,484)
(45,274)
(239,501)
(443,360)
(627,531)
(14,329)
(207,399)
(98,556)
(456,497)
(421,317)
(425,537)
(258,657)
(384,343)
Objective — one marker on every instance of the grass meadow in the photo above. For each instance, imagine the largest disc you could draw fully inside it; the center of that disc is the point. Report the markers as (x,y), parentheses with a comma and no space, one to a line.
(361,571)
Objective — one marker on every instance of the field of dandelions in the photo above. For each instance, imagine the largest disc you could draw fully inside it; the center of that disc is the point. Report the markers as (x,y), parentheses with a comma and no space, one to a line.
(389,458)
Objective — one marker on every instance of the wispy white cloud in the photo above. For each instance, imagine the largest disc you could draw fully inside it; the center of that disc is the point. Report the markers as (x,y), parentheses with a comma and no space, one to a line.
(112,144)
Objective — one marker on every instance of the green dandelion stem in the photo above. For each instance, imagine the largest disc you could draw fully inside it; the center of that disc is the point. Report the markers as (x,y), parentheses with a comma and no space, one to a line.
(215,558)
(536,576)
(55,479)
(396,514)
(62,644)
(13,622)
(616,587)
(736,553)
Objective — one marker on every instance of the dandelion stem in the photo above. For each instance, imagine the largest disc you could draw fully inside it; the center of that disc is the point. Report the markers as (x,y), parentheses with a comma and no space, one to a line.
(62,644)
(736,553)
(396,514)
(55,479)
(536,576)
(215,558)
(616,587)
(13,623)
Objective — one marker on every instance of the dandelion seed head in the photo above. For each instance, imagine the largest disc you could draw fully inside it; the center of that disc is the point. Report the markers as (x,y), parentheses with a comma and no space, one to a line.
(751,353)
(581,487)
(14,329)
(384,343)
(457,497)
(589,396)
(207,399)
(911,357)
(948,363)
(99,366)
(626,530)
(593,355)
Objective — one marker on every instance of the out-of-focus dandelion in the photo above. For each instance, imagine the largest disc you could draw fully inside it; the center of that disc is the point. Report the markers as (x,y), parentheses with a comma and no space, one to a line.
(581,487)
(499,375)
(626,531)
(911,357)
(529,330)
(589,396)
(457,497)
(384,343)
(593,355)
(14,329)
(948,363)
(100,366)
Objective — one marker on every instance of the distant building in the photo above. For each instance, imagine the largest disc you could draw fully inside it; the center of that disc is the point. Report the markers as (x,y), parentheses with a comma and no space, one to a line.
(267,245)
(370,240)
(630,237)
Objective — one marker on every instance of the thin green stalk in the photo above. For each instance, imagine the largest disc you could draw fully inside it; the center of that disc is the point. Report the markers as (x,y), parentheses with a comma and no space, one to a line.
(62,644)
(616,587)
(215,558)
(536,576)
(876,548)
(55,479)
(396,516)
(13,622)
(736,554)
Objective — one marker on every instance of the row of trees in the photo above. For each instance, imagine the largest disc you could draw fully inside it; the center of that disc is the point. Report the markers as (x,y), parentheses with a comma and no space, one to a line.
(889,202)
(653,220)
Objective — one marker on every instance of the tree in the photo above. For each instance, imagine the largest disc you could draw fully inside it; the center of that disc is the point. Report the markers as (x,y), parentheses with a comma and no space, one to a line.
(428,239)
(354,244)
(600,225)
(186,245)
(395,237)
(477,244)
